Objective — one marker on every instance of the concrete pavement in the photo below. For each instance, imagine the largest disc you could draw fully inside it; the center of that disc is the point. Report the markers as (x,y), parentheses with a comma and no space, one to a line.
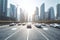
(22,33)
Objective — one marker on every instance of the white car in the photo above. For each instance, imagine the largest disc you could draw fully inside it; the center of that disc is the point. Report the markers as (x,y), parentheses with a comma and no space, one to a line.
(38,25)
(55,25)
(51,25)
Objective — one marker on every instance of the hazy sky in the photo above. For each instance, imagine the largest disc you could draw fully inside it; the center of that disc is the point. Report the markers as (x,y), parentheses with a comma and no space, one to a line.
(30,5)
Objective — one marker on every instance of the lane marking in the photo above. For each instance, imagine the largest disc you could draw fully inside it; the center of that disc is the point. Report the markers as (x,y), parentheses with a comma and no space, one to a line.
(42,34)
(14,29)
(12,34)
(28,34)
(45,28)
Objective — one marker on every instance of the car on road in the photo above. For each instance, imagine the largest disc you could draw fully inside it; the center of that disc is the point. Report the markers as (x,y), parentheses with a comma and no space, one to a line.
(12,24)
(38,25)
(29,26)
(55,25)
(23,24)
(51,25)
(43,24)
(19,24)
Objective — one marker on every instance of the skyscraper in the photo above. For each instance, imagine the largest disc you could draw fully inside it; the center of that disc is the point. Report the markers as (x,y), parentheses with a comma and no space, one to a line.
(37,14)
(46,15)
(51,14)
(42,12)
(8,12)
(3,9)
(13,12)
(37,11)
(22,15)
(58,11)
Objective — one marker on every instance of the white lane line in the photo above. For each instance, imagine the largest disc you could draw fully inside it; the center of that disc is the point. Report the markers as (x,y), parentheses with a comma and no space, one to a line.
(27,34)
(12,34)
(14,29)
(43,34)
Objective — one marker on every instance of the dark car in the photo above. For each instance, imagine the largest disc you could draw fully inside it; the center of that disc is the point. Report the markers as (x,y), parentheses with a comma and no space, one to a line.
(29,26)
(23,24)
(12,24)
(19,24)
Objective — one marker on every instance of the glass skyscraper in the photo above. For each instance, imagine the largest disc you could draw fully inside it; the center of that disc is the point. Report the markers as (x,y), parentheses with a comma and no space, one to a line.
(3,8)
(42,12)
(58,11)
(51,14)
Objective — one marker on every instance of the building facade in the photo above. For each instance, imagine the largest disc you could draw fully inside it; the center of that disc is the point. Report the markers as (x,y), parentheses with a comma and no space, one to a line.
(3,9)
(58,11)
(42,12)
(13,12)
(51,14)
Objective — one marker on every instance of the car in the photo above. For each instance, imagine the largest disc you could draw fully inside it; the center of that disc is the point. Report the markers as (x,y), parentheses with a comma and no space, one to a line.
(19,24)
(23,24)
(29,26)
(51,25)
(12,24)
(43,24)
(38,25)
(55,25)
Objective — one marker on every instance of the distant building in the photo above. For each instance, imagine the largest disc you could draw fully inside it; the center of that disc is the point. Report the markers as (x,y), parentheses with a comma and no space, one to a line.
(3,9)
(51,14)
(37,11)
(26,17)
(8,12)
(33,17)
(58,11)
(46,15)
(22,16)
(42,12)
(13,12)
(37,14)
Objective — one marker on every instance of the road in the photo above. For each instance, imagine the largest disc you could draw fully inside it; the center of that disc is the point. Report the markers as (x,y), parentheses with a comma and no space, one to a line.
(22,33)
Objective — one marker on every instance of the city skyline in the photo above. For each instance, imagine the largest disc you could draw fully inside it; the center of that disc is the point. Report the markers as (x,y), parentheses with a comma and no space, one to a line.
(29,5)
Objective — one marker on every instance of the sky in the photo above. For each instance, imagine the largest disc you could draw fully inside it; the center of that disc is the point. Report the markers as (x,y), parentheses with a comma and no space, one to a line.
(30,5)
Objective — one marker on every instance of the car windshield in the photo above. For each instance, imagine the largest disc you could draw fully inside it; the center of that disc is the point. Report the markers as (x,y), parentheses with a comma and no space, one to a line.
(29,19)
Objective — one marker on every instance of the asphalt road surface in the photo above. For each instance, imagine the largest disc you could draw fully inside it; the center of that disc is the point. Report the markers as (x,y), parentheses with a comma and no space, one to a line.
(22,33)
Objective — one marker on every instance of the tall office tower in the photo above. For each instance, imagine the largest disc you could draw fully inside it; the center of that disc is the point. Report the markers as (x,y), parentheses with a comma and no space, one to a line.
(46,15)
(26,17)
(8,12)
(22,16)
(37,14)
(3,9)
(13,12)
(42,12)
(51,14)
(58,11)
(37,11)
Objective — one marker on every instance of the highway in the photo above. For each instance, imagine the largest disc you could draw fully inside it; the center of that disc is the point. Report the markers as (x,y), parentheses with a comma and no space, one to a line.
(23,33)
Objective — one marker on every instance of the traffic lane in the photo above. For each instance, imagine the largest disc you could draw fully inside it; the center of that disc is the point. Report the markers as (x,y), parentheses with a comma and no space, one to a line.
(56,30)
(4,34)
(35,35)
(20,35)
(51,33)
(27,34)
(4,29)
